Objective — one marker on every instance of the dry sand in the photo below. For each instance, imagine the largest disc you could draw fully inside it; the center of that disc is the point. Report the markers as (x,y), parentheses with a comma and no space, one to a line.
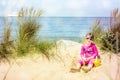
(36,67)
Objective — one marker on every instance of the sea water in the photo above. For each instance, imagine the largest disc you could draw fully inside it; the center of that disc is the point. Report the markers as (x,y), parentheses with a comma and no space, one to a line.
(56,28)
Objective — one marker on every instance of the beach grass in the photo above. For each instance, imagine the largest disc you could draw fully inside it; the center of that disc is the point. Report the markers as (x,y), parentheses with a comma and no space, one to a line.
(44,47)
(28,26)
(108,39)
(26,40)
(6,44)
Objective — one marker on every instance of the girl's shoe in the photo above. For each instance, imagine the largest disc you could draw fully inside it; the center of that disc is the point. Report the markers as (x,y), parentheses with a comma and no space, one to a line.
(86,69)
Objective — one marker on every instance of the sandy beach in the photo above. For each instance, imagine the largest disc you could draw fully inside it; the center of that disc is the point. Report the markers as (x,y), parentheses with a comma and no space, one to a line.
(37,67)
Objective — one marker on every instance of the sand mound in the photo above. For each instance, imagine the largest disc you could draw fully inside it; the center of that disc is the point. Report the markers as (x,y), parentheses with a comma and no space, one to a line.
(38,68)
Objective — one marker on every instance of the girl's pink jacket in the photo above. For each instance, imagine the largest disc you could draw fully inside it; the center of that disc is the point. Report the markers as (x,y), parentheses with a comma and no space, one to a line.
(88,51)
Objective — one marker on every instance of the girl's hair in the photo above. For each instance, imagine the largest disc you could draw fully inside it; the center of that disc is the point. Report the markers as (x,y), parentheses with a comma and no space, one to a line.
(90,35)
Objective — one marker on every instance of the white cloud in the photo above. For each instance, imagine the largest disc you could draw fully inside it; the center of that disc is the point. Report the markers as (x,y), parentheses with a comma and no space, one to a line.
(12,7)
(52,7)
(73,4)
(106,4)
(12,13)
(75,7)
(77,3)
(62,7)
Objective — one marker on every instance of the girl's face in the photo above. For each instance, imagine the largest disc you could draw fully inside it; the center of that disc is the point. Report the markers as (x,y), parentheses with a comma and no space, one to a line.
(88,40)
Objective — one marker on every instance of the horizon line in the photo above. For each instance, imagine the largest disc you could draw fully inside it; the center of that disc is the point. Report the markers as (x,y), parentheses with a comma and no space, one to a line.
(63,16)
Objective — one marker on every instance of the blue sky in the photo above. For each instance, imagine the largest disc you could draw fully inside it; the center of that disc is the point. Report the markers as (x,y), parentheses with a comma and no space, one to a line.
(74,8)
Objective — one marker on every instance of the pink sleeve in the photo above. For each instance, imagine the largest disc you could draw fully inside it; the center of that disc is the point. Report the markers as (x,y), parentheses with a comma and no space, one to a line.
(95,51)
(82,51)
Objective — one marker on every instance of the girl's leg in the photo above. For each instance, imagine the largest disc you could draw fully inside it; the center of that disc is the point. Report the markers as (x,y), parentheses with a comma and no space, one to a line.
(78,67)
(90,65)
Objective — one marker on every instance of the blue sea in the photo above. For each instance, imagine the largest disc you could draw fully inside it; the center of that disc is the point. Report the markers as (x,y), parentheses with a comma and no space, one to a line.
(56,28)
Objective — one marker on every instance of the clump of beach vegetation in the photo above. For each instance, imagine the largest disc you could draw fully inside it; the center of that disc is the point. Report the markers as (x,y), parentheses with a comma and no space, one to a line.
(28,26)
(108,39)
(27,40)
(6,44)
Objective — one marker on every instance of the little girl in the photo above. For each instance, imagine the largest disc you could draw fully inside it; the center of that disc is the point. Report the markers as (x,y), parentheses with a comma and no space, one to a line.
(88,53)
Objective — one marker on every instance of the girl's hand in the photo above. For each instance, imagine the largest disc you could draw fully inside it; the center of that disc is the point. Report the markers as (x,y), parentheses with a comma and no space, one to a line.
(90,58)
(84,58)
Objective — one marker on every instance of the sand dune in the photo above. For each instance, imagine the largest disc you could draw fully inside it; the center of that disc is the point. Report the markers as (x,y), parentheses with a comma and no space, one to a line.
(38,68)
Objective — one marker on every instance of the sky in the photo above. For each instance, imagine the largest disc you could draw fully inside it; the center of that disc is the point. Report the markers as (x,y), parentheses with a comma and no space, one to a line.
(61,8)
